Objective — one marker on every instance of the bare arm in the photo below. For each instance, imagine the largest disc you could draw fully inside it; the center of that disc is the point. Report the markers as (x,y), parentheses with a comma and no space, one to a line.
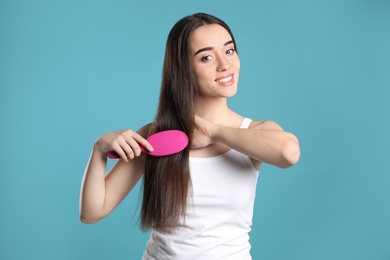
(263,141)
(101,193)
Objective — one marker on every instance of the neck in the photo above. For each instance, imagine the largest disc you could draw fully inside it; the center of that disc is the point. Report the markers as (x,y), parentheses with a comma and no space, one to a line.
(214,110)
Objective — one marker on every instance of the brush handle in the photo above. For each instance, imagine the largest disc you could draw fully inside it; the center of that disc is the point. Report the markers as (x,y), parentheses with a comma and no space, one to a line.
(114,155)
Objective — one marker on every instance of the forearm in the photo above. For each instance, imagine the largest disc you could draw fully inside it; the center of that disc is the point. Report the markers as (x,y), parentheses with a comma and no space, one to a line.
(93,188)
(274,147)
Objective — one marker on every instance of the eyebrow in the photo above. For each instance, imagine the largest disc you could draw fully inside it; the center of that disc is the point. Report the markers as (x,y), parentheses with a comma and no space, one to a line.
(210,48)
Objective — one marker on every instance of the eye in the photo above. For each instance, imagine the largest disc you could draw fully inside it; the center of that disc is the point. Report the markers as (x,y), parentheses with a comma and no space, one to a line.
(207,58)
(230,51)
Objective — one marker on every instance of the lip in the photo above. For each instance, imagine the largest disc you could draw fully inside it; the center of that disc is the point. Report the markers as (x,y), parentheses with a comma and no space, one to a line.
(225,80)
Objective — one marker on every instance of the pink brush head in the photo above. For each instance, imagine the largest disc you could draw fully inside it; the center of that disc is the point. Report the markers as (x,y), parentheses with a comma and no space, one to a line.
(168,142)
(164,143)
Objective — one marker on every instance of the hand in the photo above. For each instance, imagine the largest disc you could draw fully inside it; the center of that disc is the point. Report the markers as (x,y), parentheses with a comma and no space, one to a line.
(202,134)
(124,142)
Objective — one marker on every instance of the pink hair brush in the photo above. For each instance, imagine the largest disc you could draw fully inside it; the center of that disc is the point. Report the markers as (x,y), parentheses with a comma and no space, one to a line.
(164,143)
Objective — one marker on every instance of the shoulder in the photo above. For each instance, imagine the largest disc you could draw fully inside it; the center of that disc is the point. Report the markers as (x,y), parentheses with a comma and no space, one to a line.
(258,124)
(265,125)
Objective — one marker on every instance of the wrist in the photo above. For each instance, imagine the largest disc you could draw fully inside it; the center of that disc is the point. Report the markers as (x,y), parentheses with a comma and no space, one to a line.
(98,151)
(215,133)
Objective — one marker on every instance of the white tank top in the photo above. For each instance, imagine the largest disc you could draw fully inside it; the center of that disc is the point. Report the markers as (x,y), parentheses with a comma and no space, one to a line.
(219,213)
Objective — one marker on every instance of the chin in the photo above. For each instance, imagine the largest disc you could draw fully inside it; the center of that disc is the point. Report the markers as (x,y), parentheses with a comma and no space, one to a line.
(232,93)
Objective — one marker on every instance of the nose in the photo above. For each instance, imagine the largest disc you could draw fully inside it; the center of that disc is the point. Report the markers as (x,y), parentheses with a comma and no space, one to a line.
(223,64)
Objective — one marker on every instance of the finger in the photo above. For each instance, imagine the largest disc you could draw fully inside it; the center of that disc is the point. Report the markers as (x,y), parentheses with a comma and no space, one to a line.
(132,148)
(121,152)
(130,144)
(140,140)
(145,144)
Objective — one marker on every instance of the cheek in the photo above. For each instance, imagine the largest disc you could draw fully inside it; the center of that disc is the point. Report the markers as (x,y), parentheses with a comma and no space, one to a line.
(202,80)
(202,73)
(238,63)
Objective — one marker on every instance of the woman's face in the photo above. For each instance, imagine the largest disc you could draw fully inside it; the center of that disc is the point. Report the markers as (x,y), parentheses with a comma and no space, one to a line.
(215,62)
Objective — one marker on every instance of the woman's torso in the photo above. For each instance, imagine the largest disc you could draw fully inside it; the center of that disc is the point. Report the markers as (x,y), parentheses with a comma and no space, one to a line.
(219,212)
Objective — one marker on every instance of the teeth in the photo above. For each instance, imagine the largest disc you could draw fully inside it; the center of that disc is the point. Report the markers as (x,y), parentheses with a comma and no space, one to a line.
(225,79)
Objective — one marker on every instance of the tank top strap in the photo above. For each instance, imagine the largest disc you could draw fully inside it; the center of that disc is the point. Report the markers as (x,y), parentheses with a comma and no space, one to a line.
(245,123)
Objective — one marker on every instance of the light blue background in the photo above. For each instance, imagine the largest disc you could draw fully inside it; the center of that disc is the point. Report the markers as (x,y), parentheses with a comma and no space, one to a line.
(73,70)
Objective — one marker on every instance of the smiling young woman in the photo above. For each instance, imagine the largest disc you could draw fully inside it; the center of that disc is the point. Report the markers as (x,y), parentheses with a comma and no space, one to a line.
(198,203)
(215,62)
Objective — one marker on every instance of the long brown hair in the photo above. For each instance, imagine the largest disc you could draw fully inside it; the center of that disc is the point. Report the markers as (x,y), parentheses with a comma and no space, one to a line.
(167,181)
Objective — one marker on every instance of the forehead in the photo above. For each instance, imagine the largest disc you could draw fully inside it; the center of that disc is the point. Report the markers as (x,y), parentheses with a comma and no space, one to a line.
(211,35)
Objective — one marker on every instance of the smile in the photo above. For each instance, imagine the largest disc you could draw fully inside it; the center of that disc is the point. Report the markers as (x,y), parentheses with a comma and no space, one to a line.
(225,80)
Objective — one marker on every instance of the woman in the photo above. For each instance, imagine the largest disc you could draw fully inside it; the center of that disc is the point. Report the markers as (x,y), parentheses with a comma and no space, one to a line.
(198,203)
